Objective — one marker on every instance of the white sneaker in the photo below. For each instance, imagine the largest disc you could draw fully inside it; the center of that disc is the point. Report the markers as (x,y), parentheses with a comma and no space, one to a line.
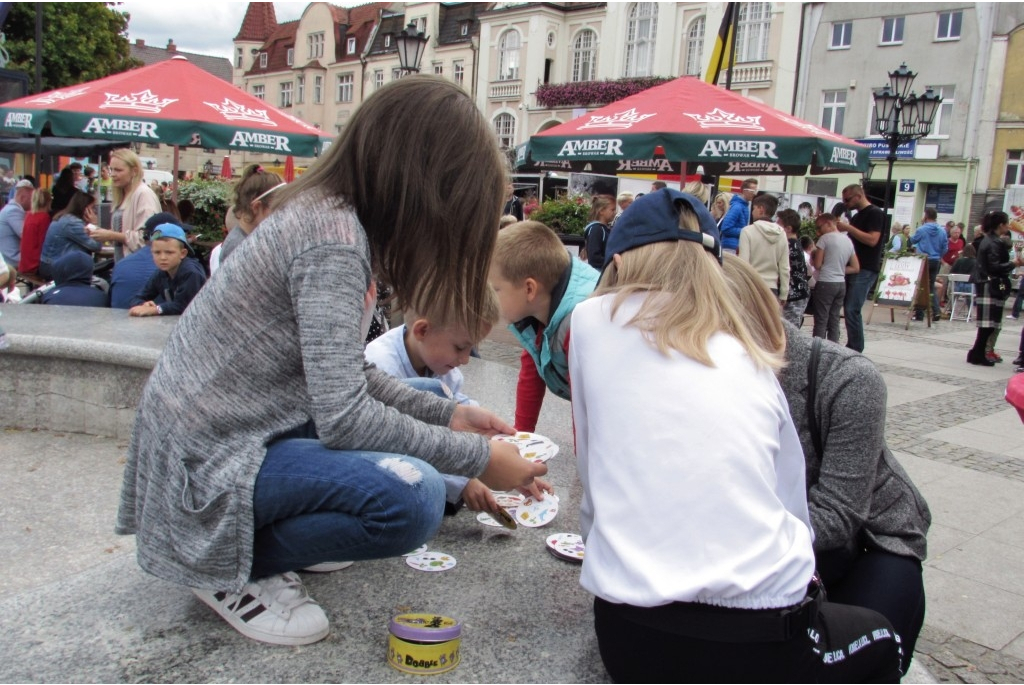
(274,609)
(328,566)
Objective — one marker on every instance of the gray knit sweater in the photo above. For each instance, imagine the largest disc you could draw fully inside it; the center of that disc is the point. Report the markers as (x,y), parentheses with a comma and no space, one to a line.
(857,492)
(272,341)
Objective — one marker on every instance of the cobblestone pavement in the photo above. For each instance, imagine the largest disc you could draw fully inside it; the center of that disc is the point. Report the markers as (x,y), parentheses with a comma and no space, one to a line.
(949,658)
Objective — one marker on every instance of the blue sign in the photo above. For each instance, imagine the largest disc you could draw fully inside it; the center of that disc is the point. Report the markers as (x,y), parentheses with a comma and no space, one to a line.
(880,148)
(907,185)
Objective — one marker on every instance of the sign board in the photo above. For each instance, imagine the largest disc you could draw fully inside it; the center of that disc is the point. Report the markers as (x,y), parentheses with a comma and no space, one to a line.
(903,284)
(907,185)
(942,197)
(1013,205)
(903,210)
(880,148)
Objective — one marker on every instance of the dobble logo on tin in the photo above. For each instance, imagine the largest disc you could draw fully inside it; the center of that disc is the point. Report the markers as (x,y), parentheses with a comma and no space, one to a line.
(424,644)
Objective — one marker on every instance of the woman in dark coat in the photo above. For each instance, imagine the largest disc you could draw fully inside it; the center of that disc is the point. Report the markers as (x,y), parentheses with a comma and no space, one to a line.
(991,280)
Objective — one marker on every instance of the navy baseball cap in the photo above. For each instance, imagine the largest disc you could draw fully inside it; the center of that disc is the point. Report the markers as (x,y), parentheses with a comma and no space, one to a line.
(654,218)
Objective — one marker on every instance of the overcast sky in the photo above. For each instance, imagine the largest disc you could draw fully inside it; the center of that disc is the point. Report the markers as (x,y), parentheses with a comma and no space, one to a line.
(203,27)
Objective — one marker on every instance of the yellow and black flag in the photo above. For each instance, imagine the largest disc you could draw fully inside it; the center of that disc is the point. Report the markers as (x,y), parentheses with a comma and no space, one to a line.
(722,54)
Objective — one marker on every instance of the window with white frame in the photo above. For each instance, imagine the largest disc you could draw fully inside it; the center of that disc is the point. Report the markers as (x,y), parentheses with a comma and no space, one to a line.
(459,72)
(378,79)
(842,35)
(464,28)
(942,125)
(752,29)
(286,94)
(387,40)
(238,58)
(438,68)
(345,85)
(505,128)
(421,24)
(351,46)
(892,30)
(290,57)
(300,89)
(263,60)
(833,110)
(396,73)
(508,55)
(1014,168)
(640,33)
(694,47)
(318,90)
(584,56)
(259,92)
(315,43)
(949,25)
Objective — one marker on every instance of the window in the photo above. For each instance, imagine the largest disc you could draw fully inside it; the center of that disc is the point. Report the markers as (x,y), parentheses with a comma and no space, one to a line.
(640,33)
(378,79)
(351,48)
(438,69)
(396,73)
(344,88)
(290,58)
(286,94)
(949,25)
(842,34)
(833,110)
(459,72)
(505,127)
(464,28)
(259,92)
(318,90)
(943,122)
(694,47)
(387,40)
(263,60)
(238,58)
(315,43)
(752,27)
(892,31)
(1014,168)
(584,56)
(421,24)
(508,56)
(300,89)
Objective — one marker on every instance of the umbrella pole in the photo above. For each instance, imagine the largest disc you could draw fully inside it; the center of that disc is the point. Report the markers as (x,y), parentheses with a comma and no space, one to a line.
(174,180)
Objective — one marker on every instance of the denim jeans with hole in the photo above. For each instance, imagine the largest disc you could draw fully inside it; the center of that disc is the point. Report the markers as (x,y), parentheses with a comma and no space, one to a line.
(313,504)
(858,286)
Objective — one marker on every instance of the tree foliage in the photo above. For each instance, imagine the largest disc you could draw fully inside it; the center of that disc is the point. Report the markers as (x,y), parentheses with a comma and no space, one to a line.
(82,41)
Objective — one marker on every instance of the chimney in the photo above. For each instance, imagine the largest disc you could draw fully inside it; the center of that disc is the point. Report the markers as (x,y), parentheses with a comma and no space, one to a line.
(171,47)
(140,43)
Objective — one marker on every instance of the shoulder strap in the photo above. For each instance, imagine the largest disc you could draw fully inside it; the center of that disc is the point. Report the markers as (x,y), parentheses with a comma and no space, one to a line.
(812,391)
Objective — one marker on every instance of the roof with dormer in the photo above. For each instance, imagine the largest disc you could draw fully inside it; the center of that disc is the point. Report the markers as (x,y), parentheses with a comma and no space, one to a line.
(259,22)
(358,23)
(276,47)
(452,17)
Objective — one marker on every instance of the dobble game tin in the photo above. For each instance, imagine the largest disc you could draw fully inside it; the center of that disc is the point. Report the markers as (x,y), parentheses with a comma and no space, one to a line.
(424,644)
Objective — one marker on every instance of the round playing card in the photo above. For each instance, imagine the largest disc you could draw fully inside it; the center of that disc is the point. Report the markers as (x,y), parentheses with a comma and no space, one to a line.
(431,561)
(534,513)
(567,546)
(532,447)
(419,550)
(509,500)
(488,520)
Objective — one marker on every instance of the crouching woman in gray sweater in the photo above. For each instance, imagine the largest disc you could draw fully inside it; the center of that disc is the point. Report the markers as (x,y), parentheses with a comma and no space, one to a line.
(264,443)
(870,522)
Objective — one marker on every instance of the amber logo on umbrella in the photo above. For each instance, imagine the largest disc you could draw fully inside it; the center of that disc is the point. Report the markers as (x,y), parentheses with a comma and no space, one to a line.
(232,111)
(618,120)
(143,101)
(718,118)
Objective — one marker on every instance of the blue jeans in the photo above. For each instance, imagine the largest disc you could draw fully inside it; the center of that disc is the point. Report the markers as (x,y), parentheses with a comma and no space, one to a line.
(857,287)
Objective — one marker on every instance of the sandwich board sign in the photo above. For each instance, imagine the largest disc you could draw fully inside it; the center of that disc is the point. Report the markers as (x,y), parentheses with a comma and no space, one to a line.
(903,284)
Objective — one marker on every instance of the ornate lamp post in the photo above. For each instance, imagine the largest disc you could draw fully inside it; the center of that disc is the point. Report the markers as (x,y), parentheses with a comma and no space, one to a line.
(411,44)
(208,168)
(902,116)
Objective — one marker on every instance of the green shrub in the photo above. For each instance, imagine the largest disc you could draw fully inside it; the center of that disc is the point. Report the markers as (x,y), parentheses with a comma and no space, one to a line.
(565,215)
(211,200)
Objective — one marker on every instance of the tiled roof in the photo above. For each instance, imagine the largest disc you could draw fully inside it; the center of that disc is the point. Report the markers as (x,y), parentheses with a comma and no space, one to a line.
(259,22)
(218,66)
(358,24)
(276,46)
(389,26)
(452,16)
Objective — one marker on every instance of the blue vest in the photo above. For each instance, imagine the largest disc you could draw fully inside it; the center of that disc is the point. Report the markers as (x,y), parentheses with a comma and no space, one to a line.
(552,363)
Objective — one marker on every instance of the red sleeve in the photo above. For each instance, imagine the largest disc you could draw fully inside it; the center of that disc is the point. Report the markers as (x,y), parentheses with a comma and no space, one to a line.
(529,394)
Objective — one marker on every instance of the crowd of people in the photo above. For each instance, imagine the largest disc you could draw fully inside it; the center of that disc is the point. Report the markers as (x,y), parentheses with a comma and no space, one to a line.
(753,530)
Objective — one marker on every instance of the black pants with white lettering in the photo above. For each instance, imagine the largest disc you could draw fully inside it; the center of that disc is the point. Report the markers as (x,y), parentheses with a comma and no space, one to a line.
(846,644)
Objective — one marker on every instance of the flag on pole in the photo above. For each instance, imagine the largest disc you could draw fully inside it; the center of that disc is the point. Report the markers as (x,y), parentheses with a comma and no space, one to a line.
(723,44)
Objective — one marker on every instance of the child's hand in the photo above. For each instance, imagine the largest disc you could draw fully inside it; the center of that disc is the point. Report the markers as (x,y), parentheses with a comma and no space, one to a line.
(478,497)
(507,470)
(479,420)
(537,489)
(144,309)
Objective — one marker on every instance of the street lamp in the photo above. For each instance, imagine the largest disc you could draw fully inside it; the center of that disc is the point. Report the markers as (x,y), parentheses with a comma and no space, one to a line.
(411,43)
(902,116)
(208,168)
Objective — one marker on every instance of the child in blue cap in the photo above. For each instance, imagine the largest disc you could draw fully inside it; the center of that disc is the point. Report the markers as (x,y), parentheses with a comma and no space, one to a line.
(178,278)
(694,509)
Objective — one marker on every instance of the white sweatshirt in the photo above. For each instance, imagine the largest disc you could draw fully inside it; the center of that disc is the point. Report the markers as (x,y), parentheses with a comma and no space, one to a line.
(693,476)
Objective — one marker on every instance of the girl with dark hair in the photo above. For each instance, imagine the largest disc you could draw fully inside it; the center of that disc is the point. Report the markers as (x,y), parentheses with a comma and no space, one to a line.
(68,232)
(991,280)
(64,188)
(263,443)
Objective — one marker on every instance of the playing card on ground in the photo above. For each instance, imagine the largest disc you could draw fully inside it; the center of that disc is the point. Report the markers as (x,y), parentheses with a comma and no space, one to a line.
(431,561)
(567,546)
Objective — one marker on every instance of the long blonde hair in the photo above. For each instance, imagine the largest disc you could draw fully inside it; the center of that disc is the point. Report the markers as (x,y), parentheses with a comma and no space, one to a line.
(687,298)
(133,162)
(758,304)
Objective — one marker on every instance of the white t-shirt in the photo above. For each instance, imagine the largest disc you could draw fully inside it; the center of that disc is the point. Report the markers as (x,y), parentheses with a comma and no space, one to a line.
(693,476)
(838,249)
